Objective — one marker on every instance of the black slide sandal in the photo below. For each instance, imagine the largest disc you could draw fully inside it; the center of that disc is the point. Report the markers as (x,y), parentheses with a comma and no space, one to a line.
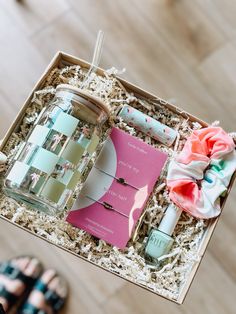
(14,276)
(51,298)
(1,309)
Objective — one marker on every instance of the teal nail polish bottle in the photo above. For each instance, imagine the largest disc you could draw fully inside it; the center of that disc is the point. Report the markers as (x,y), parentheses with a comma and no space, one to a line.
(160,241)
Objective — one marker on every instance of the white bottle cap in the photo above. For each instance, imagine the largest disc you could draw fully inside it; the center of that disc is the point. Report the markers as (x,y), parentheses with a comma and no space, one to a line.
(170,219)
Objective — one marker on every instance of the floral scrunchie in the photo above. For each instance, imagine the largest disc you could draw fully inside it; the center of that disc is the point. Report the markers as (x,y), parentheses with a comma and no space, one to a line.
(201,173)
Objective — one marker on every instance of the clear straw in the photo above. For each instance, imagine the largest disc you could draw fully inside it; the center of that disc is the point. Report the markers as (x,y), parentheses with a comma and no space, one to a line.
(96,57)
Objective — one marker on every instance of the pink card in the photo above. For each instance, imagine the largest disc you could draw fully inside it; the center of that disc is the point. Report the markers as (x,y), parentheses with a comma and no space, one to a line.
(128,159)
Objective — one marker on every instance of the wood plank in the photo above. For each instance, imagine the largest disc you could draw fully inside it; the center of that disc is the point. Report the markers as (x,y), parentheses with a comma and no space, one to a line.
(21,63)
(217,72)
(32,15)
(212,291)
(221,13)
(194,37)
(7,113)
(222,245)
(133,300)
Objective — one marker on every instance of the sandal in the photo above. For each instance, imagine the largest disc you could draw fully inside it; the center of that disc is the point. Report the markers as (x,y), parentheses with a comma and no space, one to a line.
(17,277)
(1,309)
(47,296)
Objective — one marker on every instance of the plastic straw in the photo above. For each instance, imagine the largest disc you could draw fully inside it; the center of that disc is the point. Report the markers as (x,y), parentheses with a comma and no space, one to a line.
(96,57)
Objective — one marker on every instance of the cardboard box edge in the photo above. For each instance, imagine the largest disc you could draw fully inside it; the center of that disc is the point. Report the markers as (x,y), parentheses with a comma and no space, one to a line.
(60,56)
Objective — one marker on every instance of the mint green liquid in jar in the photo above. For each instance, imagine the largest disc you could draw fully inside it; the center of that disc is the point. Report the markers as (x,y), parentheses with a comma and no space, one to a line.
(52,161)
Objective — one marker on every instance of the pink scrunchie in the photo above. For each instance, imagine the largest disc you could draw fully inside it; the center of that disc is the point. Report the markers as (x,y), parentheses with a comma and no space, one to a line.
(199,175)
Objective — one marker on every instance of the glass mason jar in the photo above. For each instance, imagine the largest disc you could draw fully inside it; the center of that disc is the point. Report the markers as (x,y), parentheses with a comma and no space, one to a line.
(51,162)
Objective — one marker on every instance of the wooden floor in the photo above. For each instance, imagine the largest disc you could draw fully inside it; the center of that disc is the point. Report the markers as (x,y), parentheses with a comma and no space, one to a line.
(181,49)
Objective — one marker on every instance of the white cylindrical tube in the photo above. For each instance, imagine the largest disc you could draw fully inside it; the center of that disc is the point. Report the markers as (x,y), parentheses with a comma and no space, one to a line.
(170,219)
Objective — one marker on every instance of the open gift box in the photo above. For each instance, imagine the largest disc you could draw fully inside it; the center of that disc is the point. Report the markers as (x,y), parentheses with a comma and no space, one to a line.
(174,278)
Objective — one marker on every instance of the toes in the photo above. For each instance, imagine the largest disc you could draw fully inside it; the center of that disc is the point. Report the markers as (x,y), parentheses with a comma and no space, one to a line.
(54,283)
(58,285)
(21,262)
(33,268)
(48,275)
(28,266)
(4,303)
(37,299)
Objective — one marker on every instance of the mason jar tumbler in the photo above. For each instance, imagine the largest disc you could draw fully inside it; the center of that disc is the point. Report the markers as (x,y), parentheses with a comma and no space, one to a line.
(53,159)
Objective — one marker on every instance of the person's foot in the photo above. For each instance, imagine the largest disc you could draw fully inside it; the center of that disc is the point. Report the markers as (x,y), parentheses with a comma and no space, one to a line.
(17,276)
(47,296)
